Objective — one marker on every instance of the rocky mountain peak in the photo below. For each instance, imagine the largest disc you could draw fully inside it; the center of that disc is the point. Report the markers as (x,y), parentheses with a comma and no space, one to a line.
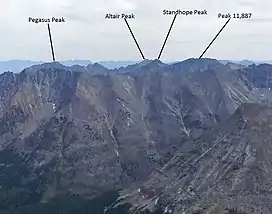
(199,65)
(47,66)
(97,68)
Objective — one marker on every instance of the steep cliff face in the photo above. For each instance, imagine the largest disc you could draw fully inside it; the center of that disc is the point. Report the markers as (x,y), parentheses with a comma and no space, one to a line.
(87,130)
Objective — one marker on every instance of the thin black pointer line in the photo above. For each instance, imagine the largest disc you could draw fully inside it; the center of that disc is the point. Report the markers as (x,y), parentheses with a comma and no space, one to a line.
(134,39)
(214,38)
(167,36)
(51,43)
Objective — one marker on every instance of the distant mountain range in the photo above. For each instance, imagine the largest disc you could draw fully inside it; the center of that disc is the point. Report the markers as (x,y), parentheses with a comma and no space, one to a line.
(17,66)
(246,62)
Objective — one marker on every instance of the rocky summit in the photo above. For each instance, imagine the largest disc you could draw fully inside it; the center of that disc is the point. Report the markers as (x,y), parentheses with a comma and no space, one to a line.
(190,137)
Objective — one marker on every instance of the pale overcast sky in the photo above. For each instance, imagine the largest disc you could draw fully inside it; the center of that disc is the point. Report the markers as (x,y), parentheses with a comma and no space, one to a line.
(88,35)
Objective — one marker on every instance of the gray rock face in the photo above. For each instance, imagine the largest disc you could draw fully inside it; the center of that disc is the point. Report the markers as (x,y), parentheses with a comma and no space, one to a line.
(87,130)
(229,167)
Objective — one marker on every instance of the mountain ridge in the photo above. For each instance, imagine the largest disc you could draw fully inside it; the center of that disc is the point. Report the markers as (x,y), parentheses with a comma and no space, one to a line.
(17,66)
(83,131)
(203,64)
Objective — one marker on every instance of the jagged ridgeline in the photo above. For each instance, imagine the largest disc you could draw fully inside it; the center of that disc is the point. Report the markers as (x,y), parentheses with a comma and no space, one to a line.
(189,137)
